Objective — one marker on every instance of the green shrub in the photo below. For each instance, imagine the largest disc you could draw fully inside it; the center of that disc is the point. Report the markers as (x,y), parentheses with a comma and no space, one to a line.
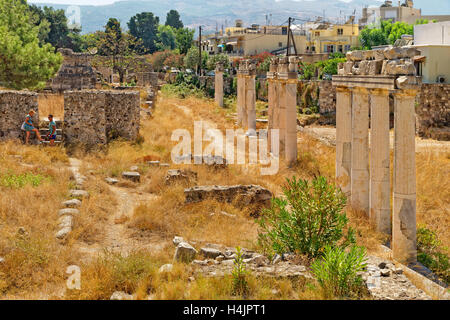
(239,273)
(17,181)
(431,254)
(337,271)
(308,218)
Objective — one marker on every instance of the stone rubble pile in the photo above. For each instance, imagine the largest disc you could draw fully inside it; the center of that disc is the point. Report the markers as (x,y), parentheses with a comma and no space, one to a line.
(389,61)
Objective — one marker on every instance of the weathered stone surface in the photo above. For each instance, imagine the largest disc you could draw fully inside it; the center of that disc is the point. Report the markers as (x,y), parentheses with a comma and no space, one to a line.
(259,260)
(348,67)
(111,181)
(184,252)
(240,195)
(177,240)
(96,117)
(133,176)
(14,106)
(120,295)
(399,67)
(166,268)
(65,221)
(75,73)
(184,176)
(2,260)
(79,194)
(63,233)
(210,253)
(69,211)
(355,55)
(73,203)
(374,67)
(153,163)
(392,53)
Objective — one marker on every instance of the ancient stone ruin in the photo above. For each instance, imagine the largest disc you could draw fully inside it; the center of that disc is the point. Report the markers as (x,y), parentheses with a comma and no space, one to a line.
(282,99)
(14,106)
(96,117)
(218,84)
(363,85)
(246,96)
(75,73)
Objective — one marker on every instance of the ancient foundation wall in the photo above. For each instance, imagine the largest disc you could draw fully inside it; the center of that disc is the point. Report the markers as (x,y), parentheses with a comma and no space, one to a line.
(14,106)
(433,111)
(96,117)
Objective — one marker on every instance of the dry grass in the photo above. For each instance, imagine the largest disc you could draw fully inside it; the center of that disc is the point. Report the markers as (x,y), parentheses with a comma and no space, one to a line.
(50,103)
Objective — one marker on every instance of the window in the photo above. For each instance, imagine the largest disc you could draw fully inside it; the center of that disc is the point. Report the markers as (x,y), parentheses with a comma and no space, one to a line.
(284,30)
(313,49)
(280,44)
(347,47)
(340,48)
(340,31)
(317,34)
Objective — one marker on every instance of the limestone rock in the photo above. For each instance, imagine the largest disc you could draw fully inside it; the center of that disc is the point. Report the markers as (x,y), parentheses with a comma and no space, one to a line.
(374,67)
(210,252)
(111,181)
(356,55)
(240,195)
(73,203)
(184,252)
(348,67)
(61,234)
(177,240)
(69,211)
(166,268)
(65,222)
(259,260)
(399,67)
(392,53)
(132,176)
(176,175)
(79,194)
(120,295)
(153,163)
(2,260)
(134,168)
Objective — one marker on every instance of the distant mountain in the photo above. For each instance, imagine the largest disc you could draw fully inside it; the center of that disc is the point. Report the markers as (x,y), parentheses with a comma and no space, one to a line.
(213,14)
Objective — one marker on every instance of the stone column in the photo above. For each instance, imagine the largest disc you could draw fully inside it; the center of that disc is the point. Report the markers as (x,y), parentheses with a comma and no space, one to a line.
(360,150)
(251,103)
(270,110)
(343,138)
(218,85)
(281,90)
(380,213)
(404,214)
(291,121)
(240,101)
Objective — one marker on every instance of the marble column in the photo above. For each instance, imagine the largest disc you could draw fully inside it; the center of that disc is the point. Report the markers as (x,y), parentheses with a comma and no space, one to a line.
(343,139)
(360,150)
(251,103)
(380,213)
(281,114)
(404,245)
(218,88)
(291,121)
(240,101)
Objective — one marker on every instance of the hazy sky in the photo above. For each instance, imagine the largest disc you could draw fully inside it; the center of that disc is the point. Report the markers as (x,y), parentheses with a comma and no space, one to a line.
(443,5)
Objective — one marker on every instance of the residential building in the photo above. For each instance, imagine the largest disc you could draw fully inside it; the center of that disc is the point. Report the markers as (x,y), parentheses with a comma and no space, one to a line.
(433,41)
(324,37)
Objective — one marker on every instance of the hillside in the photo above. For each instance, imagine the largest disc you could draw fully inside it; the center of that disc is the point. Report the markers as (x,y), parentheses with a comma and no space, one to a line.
(210,12)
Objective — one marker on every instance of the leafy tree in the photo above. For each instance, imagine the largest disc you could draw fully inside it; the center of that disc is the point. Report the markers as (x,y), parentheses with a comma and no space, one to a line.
(121,47)
(166,38)
(191,59)
(144,26)
(24,62)
(211,64)
(173,20)
(184,39)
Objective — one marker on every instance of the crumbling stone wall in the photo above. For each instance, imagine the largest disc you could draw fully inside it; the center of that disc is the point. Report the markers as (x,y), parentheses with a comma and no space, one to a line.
(14,106)
(433,111)
(76,72)
(96,117)
(147,79)
(327,97)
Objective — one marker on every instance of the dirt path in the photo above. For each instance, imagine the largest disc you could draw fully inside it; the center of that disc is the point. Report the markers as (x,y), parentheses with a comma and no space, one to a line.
(118,237)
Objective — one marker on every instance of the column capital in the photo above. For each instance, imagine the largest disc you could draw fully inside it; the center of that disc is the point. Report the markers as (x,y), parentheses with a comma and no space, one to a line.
(360,90)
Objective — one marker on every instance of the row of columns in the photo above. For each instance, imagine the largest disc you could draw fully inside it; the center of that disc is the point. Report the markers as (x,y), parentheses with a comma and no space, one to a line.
(282,101)
(369,186)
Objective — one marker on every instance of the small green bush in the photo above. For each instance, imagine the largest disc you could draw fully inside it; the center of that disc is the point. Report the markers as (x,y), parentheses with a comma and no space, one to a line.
(308,218)
(239,273)
(337,271)
(431,253)
(17,181)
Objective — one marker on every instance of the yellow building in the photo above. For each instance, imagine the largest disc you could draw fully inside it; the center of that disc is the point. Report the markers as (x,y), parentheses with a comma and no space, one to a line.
(328,38)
